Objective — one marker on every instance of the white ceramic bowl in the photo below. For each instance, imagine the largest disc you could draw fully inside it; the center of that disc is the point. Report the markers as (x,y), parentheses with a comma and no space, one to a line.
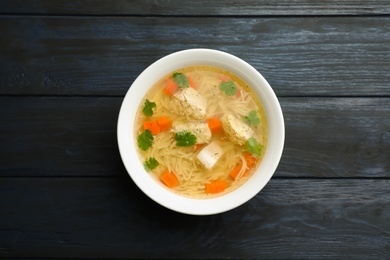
(127,143)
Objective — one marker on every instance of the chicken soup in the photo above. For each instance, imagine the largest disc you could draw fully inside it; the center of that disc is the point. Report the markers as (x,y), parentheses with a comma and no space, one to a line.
(201,131)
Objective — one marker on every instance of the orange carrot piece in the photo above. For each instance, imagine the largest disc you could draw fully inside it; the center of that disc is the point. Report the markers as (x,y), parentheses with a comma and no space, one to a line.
(211,187)
(220,185)
(152,126)
(198,147)
(170,88)
(191,83)
(238,93)
(216,186)
(224,78)
(169,179)
(250,160)
(214,125)
(235,171)
(164,123)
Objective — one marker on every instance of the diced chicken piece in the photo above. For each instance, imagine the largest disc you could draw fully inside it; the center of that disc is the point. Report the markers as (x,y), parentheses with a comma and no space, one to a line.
(237,130)
(200,129)
(210,154)
(189,102)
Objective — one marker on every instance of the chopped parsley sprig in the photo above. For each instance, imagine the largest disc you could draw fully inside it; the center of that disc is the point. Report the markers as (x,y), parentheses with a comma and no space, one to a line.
(228,87)
(253,147)
(148,108)
(145,140)
(151,164)
(185,139)
(180,79)
(252,118)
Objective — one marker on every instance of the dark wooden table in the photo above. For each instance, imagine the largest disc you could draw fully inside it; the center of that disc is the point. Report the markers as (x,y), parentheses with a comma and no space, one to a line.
(66,66)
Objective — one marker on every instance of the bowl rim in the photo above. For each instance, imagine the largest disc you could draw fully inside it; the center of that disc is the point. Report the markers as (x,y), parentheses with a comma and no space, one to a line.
(155,190)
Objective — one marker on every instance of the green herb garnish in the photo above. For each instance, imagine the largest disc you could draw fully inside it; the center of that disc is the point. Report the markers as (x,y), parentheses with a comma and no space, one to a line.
(253,147)
(228,87)
(145,140)
(252,118)
(148,108)
(151,164)
(185,139)
(180,79)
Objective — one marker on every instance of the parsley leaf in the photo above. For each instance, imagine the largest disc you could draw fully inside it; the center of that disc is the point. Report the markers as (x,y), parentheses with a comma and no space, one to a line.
(185,139)
(228,87)
(148,108)
(145,140)
(151,164)
(180,79)
(253,147)
(252,118)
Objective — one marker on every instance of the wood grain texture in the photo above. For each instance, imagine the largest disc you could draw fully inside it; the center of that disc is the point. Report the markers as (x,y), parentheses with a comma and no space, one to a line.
(325,137)
(310,56)
(112,218)
(66,65)
(59,136)
(336,137)
(196,8)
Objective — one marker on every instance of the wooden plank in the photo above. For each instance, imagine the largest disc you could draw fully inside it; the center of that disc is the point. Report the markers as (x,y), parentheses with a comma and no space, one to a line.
(112,218)
(310,56)
(59,136)
(325,137)
(336,137)
(199,8)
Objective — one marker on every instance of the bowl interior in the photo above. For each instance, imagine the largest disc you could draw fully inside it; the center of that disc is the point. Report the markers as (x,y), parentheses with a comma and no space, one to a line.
(127,143)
